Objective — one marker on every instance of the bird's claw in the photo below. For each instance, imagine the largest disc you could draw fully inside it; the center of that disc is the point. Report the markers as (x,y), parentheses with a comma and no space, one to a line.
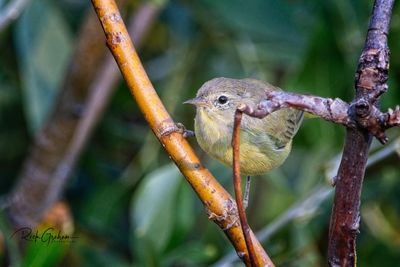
(182,129)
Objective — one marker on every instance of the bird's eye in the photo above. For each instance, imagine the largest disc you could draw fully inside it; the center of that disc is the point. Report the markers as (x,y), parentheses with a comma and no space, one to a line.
(222,99)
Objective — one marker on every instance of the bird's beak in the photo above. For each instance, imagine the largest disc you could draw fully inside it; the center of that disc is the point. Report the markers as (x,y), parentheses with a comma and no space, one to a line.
(197,101)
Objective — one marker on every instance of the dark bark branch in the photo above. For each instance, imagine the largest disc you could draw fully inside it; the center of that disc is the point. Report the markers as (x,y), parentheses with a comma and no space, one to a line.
(362,118)
(345,218)
(370,83)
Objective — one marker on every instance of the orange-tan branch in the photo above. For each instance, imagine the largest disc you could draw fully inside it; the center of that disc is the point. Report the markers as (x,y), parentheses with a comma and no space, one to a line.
(219,204)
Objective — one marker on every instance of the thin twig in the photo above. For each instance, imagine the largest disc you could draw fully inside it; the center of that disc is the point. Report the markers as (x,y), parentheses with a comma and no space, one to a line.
(374,158)
(384,153)
(218,203)
(238,188)
(11,12)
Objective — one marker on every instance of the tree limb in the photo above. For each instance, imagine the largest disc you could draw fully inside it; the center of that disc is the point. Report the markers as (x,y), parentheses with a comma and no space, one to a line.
(370,83)
(28,199)
(362,118)
(218,203)
(84,96)
(359,114)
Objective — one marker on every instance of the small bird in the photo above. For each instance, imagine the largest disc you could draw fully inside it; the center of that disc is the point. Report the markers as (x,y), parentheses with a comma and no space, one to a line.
(264,143)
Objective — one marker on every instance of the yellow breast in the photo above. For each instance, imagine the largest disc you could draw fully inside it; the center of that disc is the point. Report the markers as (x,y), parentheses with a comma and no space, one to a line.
(214,136)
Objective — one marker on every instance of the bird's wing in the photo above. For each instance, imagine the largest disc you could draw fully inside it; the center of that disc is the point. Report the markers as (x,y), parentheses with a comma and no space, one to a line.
(288,130)
(272,129)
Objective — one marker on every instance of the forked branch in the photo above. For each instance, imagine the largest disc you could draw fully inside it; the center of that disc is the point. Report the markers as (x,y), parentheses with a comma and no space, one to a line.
(370,83)
(362,119)
(361,113)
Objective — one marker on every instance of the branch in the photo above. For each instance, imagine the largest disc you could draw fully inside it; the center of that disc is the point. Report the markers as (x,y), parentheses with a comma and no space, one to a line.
(238,189)
(11,12)
(362,118)
(359,114)
(218,203)
(371,77)
(101,90)
(308,207)
(28,200)
(84,97)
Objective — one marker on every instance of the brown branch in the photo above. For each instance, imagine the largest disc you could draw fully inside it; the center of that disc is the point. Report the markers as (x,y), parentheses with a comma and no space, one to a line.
(218,203)
(371,77)
(392,117)
(101,90)
(362,118)
(334,110)
(28,200)
(85,94)
(359,114)
(238,189)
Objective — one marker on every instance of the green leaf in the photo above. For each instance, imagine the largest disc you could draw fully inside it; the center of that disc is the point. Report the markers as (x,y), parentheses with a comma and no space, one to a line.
(185,206)
(154,208)
(185,216)
(191,254)
(101,208)
(90,253)
(43,45)
(42,254)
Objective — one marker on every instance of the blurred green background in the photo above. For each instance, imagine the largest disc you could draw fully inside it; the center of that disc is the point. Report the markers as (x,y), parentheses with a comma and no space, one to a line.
(130,205)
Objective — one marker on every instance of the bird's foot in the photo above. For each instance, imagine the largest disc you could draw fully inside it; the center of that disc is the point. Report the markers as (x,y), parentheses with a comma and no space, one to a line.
(246,193)
(176,128)
(185,132)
